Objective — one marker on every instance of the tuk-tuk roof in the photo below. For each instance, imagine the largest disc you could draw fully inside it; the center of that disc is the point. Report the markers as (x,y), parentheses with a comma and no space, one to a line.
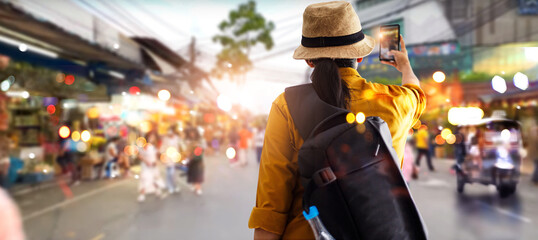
(484,121)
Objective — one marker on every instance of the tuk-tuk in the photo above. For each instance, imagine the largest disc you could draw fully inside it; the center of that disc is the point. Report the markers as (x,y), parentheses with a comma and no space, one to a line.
(493,155)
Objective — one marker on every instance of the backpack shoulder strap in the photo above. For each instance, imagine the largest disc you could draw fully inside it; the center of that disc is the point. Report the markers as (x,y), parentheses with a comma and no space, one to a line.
(307,109)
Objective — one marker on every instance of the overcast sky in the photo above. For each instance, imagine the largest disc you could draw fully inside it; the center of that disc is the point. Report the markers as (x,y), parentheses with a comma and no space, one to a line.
(174,22)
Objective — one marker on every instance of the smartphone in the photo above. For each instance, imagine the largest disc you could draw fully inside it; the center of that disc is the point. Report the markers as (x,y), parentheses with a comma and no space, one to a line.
(389,39)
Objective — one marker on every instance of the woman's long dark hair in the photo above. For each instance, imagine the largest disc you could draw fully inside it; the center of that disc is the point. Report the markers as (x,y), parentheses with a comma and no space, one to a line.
(328,83)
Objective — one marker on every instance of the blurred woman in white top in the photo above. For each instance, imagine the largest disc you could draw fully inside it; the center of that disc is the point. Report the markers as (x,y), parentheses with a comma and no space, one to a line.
(169,156)
(150,177)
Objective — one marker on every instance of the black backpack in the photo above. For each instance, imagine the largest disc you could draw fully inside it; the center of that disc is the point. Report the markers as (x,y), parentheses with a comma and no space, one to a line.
(351,173)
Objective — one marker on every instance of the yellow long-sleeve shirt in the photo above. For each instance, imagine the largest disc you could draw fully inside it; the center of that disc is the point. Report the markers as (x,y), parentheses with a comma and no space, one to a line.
(279,196)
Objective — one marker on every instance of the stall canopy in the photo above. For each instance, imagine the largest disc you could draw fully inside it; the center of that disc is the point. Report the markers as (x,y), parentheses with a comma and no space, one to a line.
(19,25)
(172,66)
(514,95)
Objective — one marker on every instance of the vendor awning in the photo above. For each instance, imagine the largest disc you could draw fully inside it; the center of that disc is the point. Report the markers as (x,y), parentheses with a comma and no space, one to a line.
(19,25)
(514,94)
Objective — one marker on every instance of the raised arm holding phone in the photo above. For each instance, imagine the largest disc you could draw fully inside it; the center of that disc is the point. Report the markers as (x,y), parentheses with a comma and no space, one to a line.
(402,64)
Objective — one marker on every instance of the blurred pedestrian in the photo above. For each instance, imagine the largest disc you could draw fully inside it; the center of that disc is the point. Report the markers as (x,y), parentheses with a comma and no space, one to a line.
(233,142)
(278,210)
(123,159)
(150,176)
(260,134)
(170,155)
(422,143)
(432,144)
(111,157)
(460,148)
(69,155)
(459,145)
(208,136)
(10,219)
(476,156)
(244,137)
(195,172)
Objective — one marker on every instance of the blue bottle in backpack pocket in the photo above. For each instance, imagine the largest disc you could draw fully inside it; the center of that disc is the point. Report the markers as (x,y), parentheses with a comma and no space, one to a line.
(320,232)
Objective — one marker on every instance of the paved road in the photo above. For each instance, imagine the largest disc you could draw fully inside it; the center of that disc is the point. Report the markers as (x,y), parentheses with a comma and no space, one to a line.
(108,209)
(479,213)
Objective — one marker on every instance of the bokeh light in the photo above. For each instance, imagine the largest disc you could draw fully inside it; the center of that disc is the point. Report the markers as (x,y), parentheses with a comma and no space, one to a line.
(5,85)
(439,140)
(224,103)
(145,126)
(498,84)
(82,147)
(85,136)
(93,113)
(230,153)
(445,133)
(531,54)
(164,95)
(505,135)
(439,76)
(360,118)
(130,150)
(23,47)
(60,78)
(171,152)
(64,131)
(464,115)
(198,151)
(75,136)
(51,109)
(521,81)
(141,142)
(134,90)
(451,139)
(69,79)
(350,118)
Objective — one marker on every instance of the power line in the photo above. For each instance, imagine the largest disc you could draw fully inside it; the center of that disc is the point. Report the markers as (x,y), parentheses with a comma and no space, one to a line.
(129,18)
(99,13)
(157,18)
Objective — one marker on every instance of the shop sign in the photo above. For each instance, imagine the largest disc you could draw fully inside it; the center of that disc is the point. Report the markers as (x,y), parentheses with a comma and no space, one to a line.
(434,49)
(528,7)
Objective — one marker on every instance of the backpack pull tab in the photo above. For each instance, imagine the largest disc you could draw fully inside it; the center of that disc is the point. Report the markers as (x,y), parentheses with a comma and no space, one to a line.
(377,150)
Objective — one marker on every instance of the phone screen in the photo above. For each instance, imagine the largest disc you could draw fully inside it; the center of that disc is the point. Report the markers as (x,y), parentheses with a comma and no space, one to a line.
(389,40)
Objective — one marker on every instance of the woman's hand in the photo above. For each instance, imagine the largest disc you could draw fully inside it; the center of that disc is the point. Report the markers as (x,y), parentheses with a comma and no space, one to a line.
(402,64)
(401,60)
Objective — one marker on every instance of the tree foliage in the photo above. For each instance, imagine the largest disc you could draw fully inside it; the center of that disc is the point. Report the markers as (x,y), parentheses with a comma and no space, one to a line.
(243,29)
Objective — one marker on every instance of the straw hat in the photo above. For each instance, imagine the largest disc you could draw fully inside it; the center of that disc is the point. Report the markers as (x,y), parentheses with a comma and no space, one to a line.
(333,30)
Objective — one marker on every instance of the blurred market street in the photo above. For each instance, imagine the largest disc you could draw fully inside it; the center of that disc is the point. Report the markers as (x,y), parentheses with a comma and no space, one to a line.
(150,119)
(108,209)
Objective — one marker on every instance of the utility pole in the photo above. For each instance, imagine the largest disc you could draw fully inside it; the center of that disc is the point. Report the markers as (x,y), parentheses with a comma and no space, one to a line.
(192,51)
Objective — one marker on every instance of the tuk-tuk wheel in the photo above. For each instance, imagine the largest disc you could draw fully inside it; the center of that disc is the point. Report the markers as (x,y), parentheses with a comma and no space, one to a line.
(506,190)
(460,182)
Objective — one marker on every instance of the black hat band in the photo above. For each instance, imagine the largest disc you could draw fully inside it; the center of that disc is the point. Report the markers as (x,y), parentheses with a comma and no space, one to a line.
(332,41)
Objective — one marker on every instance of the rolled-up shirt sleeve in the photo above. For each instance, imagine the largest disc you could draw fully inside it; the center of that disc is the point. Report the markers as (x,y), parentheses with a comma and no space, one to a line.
(417,98)
(277,174)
